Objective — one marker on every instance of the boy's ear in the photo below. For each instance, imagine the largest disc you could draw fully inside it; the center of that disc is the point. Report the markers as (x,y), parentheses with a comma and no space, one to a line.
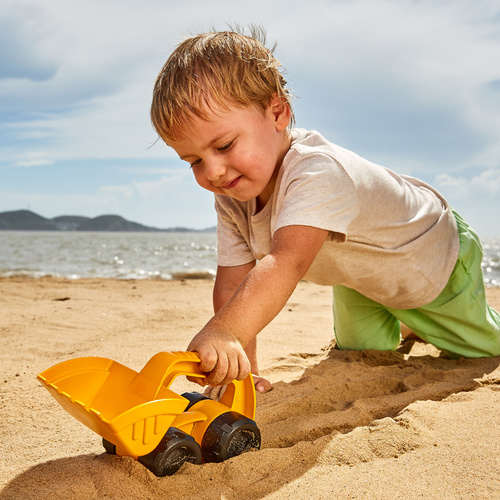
(281,111)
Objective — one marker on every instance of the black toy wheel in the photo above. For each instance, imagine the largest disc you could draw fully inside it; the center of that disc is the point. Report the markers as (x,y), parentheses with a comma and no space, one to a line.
(175,449)
(241,441)
(229,435)
(109,447)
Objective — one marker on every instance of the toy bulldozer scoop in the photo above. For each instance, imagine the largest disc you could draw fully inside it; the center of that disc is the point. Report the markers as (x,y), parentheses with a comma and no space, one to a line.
(137,415)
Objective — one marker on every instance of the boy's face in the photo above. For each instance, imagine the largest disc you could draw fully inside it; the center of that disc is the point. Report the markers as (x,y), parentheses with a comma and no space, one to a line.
(237,152)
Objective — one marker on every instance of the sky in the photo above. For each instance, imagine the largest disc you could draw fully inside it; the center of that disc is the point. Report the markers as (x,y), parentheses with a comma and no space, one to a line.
(413,85)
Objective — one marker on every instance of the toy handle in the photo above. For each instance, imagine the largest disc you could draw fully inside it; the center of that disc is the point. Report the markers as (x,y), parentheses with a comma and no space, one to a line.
(164,367)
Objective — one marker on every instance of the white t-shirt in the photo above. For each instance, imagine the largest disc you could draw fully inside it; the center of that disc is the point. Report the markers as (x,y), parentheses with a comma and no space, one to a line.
(391,237)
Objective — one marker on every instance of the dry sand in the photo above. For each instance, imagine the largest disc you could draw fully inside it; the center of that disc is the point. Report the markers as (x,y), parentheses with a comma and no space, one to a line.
(378,425)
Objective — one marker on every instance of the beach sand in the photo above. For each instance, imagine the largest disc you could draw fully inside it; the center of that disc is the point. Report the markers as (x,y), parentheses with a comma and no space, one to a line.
(338,424)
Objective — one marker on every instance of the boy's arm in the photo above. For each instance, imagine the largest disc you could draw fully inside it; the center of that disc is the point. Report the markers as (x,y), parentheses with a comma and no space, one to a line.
(259,298)
(227,281)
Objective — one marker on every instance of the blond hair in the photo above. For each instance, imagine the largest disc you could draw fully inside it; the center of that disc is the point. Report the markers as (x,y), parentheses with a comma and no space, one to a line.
(215,69)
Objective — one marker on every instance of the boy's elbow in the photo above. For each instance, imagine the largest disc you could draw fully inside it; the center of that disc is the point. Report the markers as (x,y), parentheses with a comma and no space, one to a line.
(296,247)
(293,266)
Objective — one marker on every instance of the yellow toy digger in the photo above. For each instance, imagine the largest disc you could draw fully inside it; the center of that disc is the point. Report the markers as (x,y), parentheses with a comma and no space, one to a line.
(137,414)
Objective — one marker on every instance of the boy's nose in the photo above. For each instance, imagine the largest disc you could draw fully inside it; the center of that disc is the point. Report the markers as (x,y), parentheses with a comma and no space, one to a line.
(214,170)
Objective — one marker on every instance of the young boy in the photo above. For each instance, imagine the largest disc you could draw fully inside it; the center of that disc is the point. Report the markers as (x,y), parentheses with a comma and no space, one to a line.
(292,205)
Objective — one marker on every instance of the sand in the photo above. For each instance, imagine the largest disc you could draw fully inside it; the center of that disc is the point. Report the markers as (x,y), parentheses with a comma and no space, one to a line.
(378,425)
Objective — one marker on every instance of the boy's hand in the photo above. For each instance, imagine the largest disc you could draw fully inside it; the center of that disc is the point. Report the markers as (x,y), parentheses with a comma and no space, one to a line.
(257,300)
(221,355)
(216,393)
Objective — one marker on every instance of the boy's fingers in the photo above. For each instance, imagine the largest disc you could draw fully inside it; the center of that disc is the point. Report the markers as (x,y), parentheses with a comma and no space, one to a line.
(197,380)
(218,374)
(243,367)
(208,358)
(228,369)
(232,370)
(222,364)
(215,393)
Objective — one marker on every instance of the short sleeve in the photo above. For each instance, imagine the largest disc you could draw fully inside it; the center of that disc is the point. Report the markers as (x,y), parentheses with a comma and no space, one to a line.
(316,191)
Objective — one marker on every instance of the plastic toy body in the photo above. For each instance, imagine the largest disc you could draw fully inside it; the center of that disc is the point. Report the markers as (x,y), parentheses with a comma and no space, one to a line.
(138,415)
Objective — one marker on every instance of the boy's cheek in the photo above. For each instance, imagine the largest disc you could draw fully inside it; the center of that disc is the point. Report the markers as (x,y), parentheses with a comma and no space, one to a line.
(206,184)
(200,180)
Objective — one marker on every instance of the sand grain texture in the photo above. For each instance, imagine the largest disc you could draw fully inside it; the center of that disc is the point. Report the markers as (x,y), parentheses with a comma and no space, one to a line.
(378,425)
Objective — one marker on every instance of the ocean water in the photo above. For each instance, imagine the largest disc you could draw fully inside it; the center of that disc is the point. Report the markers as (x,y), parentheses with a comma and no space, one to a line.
(491,261)
(136,255)
(108,254)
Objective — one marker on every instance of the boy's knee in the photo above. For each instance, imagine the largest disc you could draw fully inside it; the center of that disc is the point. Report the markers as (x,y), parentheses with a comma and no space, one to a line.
(360,323)
(379,341)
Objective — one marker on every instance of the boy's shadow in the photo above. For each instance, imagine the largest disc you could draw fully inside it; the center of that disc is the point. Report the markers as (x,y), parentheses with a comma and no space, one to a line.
(302,422)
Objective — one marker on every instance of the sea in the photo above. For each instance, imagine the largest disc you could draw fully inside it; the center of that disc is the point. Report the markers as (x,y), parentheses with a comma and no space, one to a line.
(121,255)
(129,255)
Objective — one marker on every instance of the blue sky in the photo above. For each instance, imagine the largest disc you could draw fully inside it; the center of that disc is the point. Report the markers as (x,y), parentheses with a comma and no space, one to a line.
(411,84)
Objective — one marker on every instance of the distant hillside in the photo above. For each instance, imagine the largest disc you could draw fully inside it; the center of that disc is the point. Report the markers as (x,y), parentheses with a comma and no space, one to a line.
(25,220)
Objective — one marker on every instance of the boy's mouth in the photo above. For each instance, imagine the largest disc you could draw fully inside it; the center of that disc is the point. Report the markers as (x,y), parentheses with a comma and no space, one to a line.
(232,183)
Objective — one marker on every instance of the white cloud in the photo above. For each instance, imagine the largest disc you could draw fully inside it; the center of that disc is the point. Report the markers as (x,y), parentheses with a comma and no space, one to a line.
(477,198)
(173,200)
(32,159)
(23,31)
(389,62)
(163,202)
(409,84)
(117,193)
(486,184)
(404,77)
(456,187)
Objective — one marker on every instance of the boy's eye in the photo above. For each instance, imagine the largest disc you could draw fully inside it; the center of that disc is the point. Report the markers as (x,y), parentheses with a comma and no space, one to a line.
(195,163)
(226,147)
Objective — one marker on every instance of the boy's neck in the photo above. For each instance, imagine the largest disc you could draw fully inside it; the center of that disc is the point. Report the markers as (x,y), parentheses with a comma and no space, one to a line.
(266,195)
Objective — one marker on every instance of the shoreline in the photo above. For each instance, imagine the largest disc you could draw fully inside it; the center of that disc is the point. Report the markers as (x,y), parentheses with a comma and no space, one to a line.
(176,276)
(173,276)
(338,424)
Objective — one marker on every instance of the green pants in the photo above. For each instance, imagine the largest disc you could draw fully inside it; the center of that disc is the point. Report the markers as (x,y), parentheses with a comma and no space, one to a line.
(459,321)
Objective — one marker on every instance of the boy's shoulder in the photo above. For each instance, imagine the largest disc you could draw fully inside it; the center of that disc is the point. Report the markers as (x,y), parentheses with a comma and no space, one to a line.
(308,141)
(312,144)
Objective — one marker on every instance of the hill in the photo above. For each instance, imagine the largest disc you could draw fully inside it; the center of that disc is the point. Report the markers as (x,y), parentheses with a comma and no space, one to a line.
(25,220)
